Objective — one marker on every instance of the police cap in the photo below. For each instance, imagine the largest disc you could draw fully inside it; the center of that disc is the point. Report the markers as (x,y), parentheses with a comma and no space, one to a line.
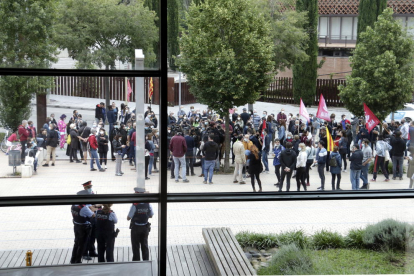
(87,183)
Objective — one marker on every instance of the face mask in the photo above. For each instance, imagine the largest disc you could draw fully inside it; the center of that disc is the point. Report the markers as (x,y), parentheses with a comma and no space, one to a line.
(146,127)
(238,118)
(203,128)
(296,124)
(282,112)
(264,114)
(246,140)
(206,123)
(169,131)
(192,109)
(93,125)
(89,190)
(290,116)
(289,137)
(196,120)
(185,117)
(255,113)
(102,133)
(277,145)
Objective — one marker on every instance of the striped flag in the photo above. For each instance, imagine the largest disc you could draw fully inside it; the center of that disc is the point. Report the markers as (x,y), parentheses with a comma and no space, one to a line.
(129,91)
(329,141)
(151,89)
(262,135)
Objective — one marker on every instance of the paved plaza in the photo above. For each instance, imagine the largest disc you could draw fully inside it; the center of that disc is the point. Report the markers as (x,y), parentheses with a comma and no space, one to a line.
(51,226)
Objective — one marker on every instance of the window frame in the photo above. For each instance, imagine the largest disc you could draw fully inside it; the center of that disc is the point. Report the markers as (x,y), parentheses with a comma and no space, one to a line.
(163,197)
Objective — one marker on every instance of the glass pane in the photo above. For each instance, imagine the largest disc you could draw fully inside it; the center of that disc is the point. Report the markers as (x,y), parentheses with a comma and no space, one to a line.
(50,237)
(355,28)
(346,28)
(336,27)
(298,238)
(79,34)
(81,103)
(401,20)
(323,27)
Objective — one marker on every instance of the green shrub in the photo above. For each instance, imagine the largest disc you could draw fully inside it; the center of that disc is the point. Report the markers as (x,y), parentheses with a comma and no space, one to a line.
(388,234)
(326,239)
(354,239)
(289,260)
(258,241)
(297,237)
(371,168)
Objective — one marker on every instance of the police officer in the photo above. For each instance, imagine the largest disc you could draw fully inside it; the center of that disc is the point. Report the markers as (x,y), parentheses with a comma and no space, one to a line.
(105,233)
(81,215)
(140,227)
(89,249)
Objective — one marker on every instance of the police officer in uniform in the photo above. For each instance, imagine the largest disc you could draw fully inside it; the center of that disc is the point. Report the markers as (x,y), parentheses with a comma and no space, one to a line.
(140,227)
(105,233)
(89,249)
(81,215)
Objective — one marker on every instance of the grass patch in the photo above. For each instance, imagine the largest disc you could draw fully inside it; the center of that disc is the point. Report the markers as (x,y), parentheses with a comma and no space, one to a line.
(267,241)
(342,261)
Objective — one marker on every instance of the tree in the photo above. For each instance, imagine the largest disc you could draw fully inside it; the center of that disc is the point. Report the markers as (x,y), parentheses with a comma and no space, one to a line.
(382,71)
(172,43)
(305,73)
(26,41)
(227,55)
(368,12)
(101,32)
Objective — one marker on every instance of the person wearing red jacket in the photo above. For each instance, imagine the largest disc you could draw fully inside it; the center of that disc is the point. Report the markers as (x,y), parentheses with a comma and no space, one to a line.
(24,134)
(93,143)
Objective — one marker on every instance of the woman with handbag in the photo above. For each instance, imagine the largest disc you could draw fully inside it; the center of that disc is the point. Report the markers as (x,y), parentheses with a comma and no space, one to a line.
(62,130)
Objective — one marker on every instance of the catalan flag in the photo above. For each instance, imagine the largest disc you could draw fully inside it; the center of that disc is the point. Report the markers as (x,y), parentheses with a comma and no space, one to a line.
(151,89)
(329,141)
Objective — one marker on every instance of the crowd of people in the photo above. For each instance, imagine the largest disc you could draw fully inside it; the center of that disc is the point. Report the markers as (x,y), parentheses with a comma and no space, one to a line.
(197,139)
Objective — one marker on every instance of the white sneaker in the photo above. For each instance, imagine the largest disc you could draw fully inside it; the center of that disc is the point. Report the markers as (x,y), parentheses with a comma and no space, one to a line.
(267,172)
(105,167)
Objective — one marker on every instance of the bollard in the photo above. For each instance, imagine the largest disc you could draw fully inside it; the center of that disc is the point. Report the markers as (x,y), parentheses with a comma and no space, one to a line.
(29,258)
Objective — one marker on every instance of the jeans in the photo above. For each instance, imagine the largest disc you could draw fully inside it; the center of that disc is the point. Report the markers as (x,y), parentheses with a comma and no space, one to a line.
(151,162)
(321,172)
(189,161)
(177,162)
(209,169)
(277,172)
(94,155)
(288,176)
(300,177)
(131,152)
(265,160)
(103,157)
(400,161)
(355,175)
(338,183)
(364,174)
(406,148)
(202,165)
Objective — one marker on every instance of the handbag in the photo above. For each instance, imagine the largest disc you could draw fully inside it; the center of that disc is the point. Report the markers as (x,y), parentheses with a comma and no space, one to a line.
(29,161)
(68,140)
(387,155)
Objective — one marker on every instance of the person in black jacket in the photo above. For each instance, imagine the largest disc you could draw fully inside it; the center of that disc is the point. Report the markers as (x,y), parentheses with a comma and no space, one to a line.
(74,144)
(100,113)
(103,141)
(398,148)
(266,149)
(255,167)
(356,166)
(118,146)
(210,154)
(52,141)
(288,161)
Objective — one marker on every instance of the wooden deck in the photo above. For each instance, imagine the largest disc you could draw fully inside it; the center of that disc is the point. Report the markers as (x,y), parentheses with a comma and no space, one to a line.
(182,259)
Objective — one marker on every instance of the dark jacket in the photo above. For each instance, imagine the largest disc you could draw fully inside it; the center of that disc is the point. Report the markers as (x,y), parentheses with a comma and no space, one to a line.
(101,143)
(398,147)
(111,115)
(245,117)
(288,159)
(117,146)
(210,150)
(74,140)
(356,160)
(99,113)
(255,164)
(190,143)
(267,143)
(52,138)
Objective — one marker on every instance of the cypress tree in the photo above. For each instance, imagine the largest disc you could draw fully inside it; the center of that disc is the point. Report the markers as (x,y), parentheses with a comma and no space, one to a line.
(305,73)
(172,43)
(368,12)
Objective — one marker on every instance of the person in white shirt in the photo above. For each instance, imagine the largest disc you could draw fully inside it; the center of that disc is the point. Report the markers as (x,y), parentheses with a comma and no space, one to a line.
(301,167)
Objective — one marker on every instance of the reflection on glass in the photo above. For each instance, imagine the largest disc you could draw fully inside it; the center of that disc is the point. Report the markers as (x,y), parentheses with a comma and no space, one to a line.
(67,133)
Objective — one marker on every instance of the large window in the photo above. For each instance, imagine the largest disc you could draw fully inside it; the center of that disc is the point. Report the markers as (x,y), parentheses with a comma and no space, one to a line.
(338,28)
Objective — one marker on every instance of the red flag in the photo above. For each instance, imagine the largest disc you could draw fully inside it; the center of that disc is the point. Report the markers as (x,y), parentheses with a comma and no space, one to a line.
(262,135)
(303,111)
(370,119)
(151,89)
(129,91)
(323,110)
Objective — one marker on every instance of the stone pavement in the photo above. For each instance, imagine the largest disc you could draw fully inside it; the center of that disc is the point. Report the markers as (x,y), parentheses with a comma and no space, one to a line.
(51,227)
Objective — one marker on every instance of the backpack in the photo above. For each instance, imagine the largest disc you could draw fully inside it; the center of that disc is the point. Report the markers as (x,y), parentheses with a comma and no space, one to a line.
(332,162)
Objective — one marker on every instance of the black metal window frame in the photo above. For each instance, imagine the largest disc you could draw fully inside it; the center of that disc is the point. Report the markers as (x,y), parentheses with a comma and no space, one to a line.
(163,197)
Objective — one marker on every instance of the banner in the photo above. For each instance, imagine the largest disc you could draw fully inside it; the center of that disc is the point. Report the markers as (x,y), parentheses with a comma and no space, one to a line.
(329,141)
(151,89)
(129,91)
(303,112)
(371,120)
(323,110)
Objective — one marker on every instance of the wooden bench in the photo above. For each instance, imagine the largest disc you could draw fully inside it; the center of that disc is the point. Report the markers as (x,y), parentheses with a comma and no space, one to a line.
(226,254)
